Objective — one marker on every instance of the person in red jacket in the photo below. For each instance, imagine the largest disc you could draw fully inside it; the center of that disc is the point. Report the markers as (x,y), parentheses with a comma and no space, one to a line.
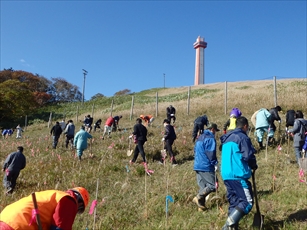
(108,127)
(57,210)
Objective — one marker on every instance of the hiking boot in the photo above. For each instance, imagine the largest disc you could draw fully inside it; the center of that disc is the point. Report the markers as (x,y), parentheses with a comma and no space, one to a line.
(9,191)
(200,202)
(173,160)
(161,162)
(79,157)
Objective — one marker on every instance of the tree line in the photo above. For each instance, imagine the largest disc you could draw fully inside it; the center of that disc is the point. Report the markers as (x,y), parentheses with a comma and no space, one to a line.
(22,93)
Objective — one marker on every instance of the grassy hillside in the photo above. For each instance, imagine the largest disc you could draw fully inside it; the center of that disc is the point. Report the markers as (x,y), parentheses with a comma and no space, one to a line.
(127,199)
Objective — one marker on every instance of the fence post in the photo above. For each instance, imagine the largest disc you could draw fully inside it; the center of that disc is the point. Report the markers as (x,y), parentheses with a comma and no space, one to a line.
(93,110)
(112,103)
(225,97)
(157,99)
(275,91)
(131,111)
(77,114)
(188,102)
(50,118)
(26,121)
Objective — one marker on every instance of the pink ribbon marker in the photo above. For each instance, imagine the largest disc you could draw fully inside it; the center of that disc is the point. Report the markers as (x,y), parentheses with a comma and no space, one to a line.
(93,205)
(34,213)
(301,176)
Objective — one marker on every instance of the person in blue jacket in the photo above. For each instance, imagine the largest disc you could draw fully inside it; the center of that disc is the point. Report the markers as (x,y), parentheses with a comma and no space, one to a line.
(205,164)
(237,162)
(80,141)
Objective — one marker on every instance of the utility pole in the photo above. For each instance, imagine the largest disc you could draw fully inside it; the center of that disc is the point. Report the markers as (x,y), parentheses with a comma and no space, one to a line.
(164,79)
(84,74)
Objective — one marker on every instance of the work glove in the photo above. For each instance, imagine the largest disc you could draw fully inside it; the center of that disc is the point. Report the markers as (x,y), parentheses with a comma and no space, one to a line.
(172,114)
(130,137)
(163,139)
(216,168)
(224,131)
(303,151)
(279,121)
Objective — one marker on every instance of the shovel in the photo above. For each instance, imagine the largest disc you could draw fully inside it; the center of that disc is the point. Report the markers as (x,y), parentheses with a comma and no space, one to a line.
(216,197)
(129,151)
(258,218)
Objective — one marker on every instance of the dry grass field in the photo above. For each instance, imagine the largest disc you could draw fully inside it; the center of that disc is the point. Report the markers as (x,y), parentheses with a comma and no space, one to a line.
(130,199)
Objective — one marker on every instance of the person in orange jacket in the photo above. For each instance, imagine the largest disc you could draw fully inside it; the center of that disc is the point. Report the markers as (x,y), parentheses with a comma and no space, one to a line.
(57,210)
(148,119)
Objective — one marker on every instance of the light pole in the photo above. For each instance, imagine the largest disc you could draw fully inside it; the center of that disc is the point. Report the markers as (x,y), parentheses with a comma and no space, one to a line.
(164,79)
(84,74)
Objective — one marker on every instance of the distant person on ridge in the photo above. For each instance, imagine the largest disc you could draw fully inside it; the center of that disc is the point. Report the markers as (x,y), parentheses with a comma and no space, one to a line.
(56,131)
(199,125)
(170,113)
(19,131)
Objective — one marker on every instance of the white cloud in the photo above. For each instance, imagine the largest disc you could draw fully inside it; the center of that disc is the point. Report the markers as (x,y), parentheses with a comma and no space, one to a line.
(24,63)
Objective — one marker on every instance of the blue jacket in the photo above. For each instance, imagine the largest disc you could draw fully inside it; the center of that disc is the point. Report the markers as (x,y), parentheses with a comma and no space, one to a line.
(80,140)
(237,156)
(263,119)
(205,152)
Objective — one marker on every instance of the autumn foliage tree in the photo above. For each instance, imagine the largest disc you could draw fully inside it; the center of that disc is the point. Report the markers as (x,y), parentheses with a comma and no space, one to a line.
(22,92)
(16,100)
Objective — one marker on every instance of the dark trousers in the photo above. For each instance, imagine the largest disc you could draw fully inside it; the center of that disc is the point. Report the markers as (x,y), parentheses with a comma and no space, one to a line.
(168,146)
(197,127)
(69,138)
(139,148)
(9,181)
(169,117)
(55,141)
(239,195)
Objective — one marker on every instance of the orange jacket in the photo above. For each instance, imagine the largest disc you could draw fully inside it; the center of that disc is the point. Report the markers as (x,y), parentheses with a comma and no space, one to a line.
(18,215)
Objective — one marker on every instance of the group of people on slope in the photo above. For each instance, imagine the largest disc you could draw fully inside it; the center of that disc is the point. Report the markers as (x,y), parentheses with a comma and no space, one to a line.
(237,162)
(9,132)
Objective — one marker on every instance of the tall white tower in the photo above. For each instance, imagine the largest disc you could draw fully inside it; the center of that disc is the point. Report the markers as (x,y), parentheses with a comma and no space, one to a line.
(200,46)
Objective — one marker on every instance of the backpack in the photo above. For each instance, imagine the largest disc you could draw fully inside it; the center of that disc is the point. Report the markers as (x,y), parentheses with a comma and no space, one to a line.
(303,129)
(290,117)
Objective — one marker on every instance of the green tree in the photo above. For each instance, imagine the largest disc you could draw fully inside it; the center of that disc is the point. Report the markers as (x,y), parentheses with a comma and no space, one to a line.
(16,99)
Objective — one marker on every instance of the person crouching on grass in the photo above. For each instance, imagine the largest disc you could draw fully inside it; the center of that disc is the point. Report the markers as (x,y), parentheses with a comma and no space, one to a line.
(205,165)
(57,210)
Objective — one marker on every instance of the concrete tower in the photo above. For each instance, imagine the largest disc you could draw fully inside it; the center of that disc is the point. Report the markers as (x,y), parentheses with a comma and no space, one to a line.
(200,45)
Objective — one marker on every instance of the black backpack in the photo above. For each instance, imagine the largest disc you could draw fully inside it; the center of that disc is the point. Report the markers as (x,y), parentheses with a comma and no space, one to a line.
(290,117)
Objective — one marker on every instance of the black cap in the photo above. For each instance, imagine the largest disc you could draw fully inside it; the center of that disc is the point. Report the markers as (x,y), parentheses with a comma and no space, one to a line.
(213,126)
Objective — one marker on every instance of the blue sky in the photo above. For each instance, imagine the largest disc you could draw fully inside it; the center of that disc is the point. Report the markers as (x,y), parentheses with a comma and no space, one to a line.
(131,44)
